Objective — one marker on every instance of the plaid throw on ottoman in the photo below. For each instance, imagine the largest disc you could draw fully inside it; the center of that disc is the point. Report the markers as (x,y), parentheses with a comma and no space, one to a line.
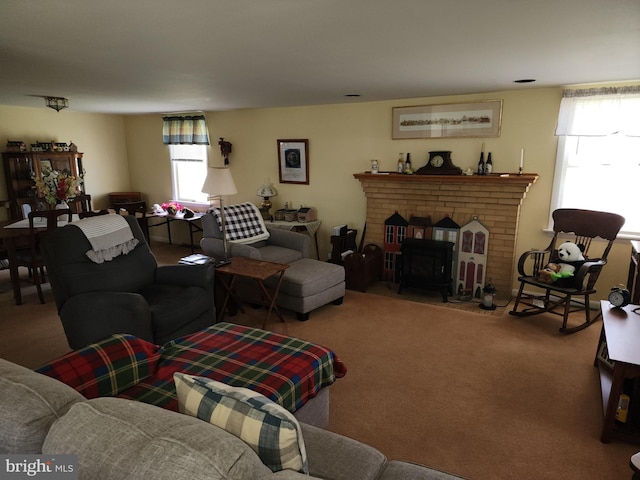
(243,222)
(285,369)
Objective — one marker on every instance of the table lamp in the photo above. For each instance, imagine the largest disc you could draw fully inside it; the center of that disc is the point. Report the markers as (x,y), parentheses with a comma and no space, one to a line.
(219,182)
(266,191)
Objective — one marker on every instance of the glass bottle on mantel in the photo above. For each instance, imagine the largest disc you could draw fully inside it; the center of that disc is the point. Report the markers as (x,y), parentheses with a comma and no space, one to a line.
(407,165)
(488,167)
(481,164)
(400,163)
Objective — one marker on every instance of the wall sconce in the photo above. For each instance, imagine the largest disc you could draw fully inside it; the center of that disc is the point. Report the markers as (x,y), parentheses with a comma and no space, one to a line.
(225,150)
(57,103)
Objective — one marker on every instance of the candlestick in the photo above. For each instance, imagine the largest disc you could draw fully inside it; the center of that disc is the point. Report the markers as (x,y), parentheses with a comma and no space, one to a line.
(521,161)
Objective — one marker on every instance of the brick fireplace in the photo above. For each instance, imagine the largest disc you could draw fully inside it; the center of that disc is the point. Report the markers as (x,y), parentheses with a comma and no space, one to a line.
(495,200)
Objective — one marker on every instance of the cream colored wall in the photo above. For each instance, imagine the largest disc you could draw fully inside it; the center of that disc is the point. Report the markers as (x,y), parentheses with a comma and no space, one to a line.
(126,153)
(342,141)
(100,137)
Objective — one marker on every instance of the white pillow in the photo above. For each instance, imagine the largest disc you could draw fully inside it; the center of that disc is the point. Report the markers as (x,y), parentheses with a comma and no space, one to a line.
(268,428)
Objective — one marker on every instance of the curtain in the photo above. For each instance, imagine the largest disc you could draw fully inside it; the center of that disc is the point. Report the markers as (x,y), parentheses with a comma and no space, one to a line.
(190,130)
(600,112)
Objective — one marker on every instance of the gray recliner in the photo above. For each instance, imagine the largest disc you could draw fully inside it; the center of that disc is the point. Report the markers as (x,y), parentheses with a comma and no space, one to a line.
(129,294)
(282,246)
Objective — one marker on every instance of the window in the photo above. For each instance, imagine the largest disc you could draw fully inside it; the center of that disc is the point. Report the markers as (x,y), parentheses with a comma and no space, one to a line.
(598,158)
(188,171)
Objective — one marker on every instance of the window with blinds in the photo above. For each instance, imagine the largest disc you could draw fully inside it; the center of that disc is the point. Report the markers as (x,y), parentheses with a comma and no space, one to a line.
(188,171)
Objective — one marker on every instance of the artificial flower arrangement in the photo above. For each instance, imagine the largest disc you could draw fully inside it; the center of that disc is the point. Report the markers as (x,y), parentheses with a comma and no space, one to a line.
(171,207)
(57,186)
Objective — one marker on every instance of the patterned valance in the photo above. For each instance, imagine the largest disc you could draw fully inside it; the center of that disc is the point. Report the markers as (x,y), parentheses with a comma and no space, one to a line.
(191,130)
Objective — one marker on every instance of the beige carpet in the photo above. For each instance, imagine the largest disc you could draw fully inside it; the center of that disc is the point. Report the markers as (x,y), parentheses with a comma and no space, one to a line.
(483,396)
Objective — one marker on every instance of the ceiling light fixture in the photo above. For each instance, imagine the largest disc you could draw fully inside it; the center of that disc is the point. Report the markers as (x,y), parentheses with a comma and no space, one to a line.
(525,80)
(352,95)
(57,103)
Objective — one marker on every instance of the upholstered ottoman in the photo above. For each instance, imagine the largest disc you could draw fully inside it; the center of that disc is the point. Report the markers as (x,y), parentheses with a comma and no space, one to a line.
(307,284)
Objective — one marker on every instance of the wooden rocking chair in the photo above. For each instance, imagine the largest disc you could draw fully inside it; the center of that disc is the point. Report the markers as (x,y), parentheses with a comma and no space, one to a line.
(584,225)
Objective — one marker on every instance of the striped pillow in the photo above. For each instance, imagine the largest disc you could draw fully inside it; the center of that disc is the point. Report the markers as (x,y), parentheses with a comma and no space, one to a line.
(106,368)
(268,428)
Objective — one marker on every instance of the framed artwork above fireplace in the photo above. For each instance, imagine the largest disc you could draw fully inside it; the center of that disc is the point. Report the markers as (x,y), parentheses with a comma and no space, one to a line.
(475,119)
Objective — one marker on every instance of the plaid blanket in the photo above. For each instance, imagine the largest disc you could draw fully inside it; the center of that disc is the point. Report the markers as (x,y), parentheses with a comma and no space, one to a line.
(243,223)
(287,370)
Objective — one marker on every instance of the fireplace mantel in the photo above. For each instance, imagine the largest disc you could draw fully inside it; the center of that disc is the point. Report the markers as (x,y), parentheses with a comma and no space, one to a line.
(527,179)
(494,199)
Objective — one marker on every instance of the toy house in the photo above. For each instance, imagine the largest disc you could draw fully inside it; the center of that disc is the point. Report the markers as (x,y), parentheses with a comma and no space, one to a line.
(395,228)
(419,228)
(472,258)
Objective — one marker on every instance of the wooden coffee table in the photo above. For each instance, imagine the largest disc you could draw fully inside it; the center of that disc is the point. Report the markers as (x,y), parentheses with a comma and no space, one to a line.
(257,270)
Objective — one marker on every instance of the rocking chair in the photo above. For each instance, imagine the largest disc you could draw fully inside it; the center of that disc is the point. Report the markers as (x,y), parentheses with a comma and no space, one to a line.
(585,225)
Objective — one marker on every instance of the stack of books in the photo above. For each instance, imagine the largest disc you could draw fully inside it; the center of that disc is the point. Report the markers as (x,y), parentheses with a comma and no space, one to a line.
(196,259)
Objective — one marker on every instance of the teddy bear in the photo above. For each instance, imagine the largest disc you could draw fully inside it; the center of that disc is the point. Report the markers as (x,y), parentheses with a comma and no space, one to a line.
(562,268)
(549,273)
(570,257)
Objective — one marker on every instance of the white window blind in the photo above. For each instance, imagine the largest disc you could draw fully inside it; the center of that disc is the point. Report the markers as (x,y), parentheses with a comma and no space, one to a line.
(188,171)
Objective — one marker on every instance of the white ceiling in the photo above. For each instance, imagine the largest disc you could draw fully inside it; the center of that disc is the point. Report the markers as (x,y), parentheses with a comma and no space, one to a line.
(142,56)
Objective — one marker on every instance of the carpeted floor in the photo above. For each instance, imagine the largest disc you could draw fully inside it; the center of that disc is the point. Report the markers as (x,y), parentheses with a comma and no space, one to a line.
(483,396)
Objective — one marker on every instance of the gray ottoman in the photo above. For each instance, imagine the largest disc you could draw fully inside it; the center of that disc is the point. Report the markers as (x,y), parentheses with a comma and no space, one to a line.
(307,284)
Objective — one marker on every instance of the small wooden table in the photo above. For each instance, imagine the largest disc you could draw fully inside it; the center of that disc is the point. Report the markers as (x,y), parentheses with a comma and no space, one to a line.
(257,270)
(618,357)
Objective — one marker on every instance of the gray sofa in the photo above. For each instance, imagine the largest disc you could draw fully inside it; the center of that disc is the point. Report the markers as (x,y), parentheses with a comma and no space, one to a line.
(122,439)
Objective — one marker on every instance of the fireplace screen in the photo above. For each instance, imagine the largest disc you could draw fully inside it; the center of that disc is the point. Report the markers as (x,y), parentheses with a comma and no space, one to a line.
(426,264)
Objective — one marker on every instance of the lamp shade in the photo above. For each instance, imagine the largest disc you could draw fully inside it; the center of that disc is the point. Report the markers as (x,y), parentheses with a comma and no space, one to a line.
(266,190)
(219,182)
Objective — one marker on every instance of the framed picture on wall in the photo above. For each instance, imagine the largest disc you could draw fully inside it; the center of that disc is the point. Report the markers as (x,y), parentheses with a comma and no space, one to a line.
(475,119)
(293,161)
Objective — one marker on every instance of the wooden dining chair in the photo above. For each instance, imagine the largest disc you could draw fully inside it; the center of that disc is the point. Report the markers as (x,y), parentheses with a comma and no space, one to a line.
(93,213)
(80,203)
(582,227)
(40,222)
(138,210)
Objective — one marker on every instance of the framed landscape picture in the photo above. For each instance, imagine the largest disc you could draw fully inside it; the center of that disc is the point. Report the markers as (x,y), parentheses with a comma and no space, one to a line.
(293,161)
(475,119)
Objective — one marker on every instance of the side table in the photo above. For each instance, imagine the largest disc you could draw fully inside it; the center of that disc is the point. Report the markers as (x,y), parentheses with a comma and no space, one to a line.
(168,219)
(257,270)
(618,358)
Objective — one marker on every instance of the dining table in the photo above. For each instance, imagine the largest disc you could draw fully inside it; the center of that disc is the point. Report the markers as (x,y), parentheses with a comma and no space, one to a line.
(14,234)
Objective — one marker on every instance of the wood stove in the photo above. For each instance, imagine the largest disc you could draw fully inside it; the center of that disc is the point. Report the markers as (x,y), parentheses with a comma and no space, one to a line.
(426,264)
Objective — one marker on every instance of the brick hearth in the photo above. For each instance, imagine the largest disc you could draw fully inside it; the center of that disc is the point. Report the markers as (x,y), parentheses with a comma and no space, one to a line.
(493,199)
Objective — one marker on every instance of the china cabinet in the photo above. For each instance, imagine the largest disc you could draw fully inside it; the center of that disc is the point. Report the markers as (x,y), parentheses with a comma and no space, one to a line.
(21,167)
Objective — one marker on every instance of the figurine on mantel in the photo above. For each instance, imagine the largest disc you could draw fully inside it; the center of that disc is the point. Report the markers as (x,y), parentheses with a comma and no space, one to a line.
(73,147)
